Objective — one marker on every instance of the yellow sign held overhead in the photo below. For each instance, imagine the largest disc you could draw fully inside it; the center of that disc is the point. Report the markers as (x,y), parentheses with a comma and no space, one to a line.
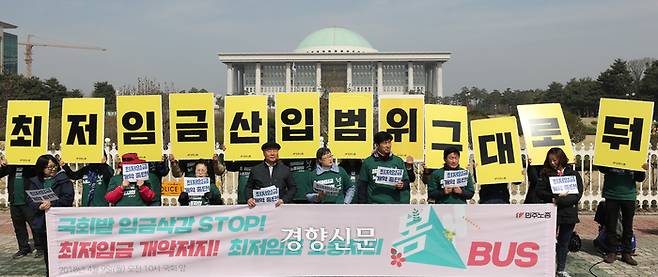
(623,133)
(83,126)
(497,150)
(139,126)
(402,117)
(26,131)
(445,126)
(192,125)
(350,125)
(544,128)
(245,127)
(298,124)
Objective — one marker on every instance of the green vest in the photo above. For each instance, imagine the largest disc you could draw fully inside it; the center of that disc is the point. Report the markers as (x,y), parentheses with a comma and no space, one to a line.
(379,193)
(99,192)
(131,195)
(340,181)
(435,184)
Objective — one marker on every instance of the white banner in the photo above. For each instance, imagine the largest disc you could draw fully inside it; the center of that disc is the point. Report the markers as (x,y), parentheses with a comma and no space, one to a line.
(134,172)
(388,176)
(41,195)
(455,178)
(295,240)
(266,195)
(560,184)
(327,186)
(196,186)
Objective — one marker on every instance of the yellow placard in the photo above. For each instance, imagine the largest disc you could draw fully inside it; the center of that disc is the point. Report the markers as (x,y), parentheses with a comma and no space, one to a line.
(497,150)
(350,125)
(445,126)
(139,126)
(402,117)
(172,187)
(83,126)
(544,127)
(192,125)
(245,127)
(298,124)
(26,131)
(622,133)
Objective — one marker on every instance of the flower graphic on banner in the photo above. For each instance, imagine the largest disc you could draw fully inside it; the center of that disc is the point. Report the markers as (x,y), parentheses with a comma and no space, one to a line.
(396,258)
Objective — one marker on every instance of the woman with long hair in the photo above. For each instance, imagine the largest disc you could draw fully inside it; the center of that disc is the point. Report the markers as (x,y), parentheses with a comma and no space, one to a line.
(556,165)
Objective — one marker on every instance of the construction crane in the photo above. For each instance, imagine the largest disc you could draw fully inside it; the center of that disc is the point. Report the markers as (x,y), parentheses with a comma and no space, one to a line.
(28,51)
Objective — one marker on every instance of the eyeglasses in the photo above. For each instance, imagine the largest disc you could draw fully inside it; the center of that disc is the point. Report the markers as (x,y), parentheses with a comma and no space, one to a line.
(328,157)
(51,167)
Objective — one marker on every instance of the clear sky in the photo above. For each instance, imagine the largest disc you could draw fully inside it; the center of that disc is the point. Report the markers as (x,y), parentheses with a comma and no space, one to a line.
(495,44)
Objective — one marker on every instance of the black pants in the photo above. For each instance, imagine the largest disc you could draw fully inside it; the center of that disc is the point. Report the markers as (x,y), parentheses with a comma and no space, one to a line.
(563,237)
(20,216)
(41,234)
(612,208)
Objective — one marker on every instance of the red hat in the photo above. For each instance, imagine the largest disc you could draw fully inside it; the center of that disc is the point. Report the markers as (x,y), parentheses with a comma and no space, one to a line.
(131,158)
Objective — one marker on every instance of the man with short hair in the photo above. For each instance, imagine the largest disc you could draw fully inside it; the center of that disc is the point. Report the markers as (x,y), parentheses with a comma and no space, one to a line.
(271,172)
(370,191)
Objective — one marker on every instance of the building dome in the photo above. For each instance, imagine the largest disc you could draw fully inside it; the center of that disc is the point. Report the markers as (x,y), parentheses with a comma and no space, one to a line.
(334,40)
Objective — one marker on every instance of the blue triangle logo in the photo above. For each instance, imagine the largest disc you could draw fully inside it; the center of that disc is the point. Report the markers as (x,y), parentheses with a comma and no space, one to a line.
(424,240)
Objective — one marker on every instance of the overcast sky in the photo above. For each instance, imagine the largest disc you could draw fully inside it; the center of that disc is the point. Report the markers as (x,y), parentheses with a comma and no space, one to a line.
(495,44)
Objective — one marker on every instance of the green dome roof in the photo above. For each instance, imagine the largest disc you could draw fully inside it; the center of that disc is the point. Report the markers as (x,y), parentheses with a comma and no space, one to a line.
(334,40)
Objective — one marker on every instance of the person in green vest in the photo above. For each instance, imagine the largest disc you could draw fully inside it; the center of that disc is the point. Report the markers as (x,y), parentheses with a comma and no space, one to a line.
(21,213)
(48,175)
(300,169)
(95,178)
(328,183)
(620,193)
(371,187)
(449,195)
(125,193)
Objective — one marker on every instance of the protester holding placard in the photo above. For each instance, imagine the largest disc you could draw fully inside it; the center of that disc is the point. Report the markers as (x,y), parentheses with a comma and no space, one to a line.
(131,188)
(48,176)
(201,170)
(269,176)
(451,184)
(21,213)
(620,193)
(159,169)
(95,178)
(557,186)
(329,183)
(383,176)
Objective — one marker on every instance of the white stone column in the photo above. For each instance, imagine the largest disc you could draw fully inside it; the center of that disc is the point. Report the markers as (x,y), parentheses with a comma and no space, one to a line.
(318,77)
(230,79)
(257,79)
(438,79)
(288,77)
(349,76)
(380,78)
(410,77)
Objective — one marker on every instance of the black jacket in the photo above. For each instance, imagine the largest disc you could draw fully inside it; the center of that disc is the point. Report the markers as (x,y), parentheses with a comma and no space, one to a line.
(260,178)
(533,172)
(27,171)
(567,206)
(63,188)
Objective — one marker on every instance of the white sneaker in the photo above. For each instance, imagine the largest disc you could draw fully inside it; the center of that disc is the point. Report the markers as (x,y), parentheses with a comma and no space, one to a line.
(562,274)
